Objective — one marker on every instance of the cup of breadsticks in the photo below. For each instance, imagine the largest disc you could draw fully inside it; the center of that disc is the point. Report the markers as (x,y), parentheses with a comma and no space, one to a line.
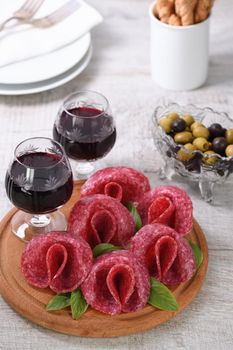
(180,43)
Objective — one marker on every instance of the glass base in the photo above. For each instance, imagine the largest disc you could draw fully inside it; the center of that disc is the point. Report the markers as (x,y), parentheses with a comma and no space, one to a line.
(206,188)
(166,172)
(83,170)
(25,226)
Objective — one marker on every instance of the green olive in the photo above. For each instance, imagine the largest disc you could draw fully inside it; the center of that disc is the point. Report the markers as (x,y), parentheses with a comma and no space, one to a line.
(229,151)
(195,124)
(187,128)
(165,123)
(183,137)
(184,155)
(188,119)
(229,136)
(173,116)
(190,147)
(201,143)
(210,160)
(201,131)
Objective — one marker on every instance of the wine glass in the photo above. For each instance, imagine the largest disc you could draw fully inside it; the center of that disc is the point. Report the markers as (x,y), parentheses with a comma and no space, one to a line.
(85,127)
(38,181)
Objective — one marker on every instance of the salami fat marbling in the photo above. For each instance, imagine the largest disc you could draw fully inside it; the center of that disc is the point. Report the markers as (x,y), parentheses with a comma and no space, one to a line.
(117,283)
(120,182)
(168,205)
(101,219)
(56,260)
(167,256)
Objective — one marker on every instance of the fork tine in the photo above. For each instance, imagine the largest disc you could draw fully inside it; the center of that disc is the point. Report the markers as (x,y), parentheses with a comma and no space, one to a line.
(58,15)
(31,6)
(26,11)
(26,5)
(64,11)
(35,5)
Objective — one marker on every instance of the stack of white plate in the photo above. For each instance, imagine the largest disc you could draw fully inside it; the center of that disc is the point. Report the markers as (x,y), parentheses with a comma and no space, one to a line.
(47,71)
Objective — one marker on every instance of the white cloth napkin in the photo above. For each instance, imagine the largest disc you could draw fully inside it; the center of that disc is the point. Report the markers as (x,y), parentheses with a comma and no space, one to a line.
(28,42)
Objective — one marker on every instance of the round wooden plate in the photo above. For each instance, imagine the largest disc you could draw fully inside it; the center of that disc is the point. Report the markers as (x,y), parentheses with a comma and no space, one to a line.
(31,302)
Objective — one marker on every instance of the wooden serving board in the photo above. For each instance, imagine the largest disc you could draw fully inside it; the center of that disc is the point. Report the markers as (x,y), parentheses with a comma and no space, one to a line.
(31,302)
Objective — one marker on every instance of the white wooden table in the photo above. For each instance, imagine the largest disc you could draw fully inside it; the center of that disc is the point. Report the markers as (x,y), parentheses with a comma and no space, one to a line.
(120,70)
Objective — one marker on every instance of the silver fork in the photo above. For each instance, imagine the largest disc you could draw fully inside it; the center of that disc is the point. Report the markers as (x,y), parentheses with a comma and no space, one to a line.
(25,12)
(57,16)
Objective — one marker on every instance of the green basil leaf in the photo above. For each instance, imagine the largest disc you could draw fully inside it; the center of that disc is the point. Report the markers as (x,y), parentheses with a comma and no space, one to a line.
(197,253)
(78,304)
(103,248)
(60,301)
(136,216)
(161,297)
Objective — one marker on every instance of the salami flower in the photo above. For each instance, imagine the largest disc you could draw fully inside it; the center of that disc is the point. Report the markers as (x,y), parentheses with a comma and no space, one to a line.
(168,205)
(117,283)
(120,182)
(167,256)
(56,260)
(101,219)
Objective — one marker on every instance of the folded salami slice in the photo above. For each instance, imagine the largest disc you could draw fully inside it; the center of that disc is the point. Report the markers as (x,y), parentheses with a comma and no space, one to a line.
(166,254)
(168,205)
(120,182)
(101,219)
(117,283)
(57,260)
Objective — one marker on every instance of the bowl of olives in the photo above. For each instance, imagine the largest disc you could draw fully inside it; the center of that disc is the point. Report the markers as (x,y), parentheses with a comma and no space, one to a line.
(194,142)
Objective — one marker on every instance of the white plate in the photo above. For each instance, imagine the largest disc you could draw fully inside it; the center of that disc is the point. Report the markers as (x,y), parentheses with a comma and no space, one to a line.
(25,89)
(46,66)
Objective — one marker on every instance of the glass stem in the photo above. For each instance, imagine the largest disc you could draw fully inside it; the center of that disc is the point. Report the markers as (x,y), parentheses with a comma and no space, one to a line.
(40,220)
(83,170)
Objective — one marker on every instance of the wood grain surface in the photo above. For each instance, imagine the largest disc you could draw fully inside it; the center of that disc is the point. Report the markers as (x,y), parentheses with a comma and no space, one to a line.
(31,302)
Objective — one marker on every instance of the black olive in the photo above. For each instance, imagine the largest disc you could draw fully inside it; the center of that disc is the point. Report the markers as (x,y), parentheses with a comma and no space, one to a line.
(178,125)
(194,164)
(219,145)
(216,130)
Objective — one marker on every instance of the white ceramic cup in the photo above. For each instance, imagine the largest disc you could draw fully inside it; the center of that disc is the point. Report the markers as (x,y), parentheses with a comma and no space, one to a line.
(179,54)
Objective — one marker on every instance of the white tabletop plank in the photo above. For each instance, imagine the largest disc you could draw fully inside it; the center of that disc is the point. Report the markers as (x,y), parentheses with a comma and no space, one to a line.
(120,70)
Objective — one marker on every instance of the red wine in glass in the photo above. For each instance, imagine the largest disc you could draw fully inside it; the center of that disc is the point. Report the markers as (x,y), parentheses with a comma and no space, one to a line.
(38,182)
(44,194)
(86,129)
(90,141)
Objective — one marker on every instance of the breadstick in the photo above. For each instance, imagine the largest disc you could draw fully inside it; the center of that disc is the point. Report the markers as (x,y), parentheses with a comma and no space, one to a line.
(203,10)
(174,20)
(164,8)
(185,10)
(164,19)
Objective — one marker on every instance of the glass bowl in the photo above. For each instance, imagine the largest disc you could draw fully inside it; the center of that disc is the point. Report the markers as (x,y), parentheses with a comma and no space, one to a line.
(194,167)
